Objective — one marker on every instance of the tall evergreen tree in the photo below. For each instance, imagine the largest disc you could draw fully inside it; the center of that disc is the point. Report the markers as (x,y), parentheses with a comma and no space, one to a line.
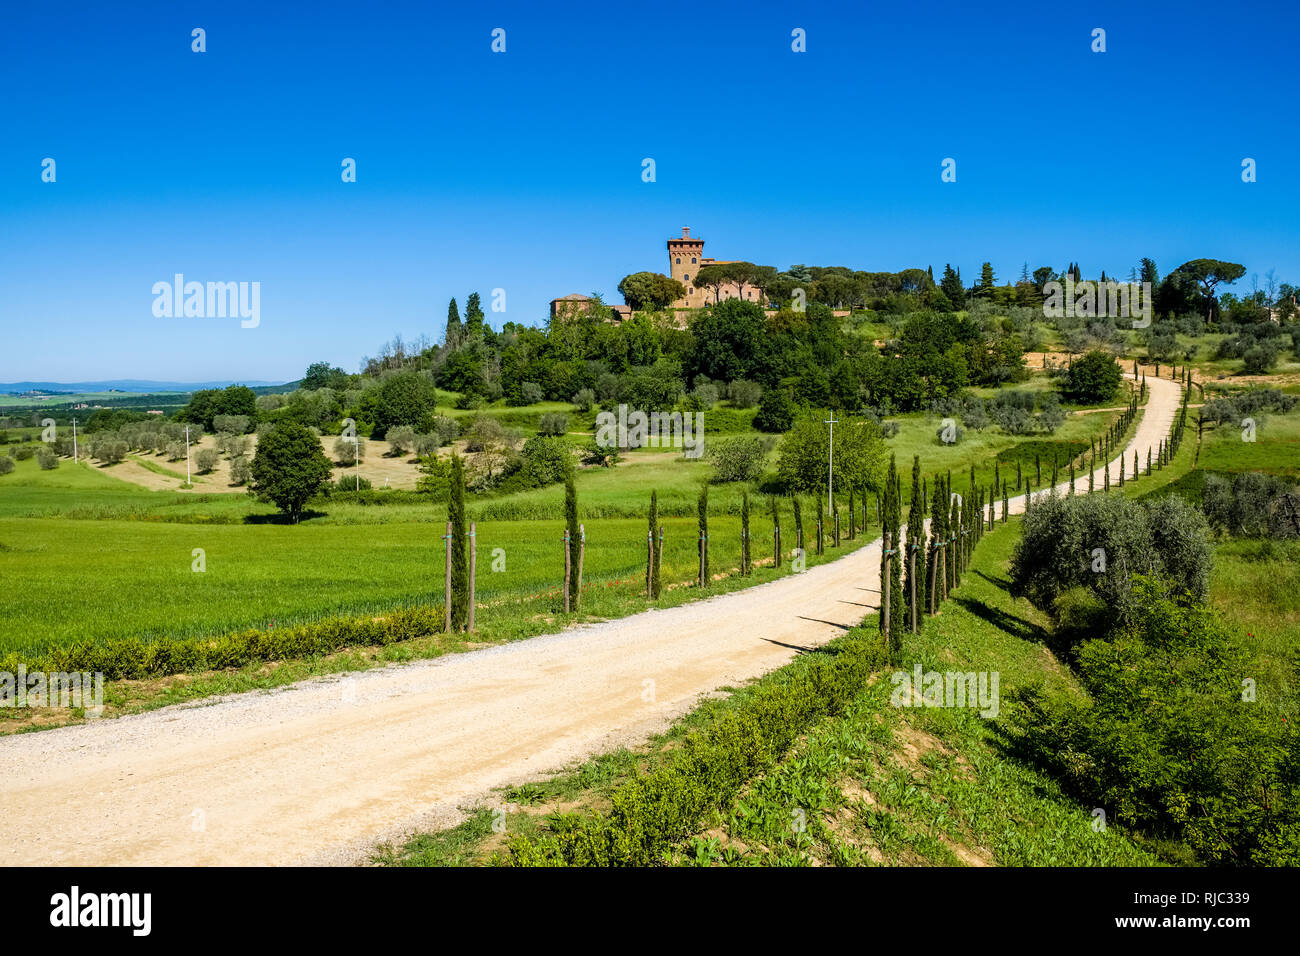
(798,524)
(744,533)
(952,288)
(455,331)
(473,318)
(571,525)
(704,534)
(459,545)
(916,541)
(652,570)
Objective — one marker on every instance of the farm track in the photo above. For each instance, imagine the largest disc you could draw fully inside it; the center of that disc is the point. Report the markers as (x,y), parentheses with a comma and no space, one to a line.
(321,771)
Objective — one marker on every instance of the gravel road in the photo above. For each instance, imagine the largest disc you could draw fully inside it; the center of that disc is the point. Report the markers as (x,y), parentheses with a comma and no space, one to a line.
(321,771)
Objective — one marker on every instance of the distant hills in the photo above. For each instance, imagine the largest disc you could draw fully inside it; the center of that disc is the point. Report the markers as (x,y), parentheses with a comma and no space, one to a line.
(124,385)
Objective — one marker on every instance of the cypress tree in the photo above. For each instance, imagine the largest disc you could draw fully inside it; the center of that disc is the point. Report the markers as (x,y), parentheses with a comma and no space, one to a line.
(652,570)
(853,518)
(459,545)
(1135,464)
(776,533)
(938,534)
(798,523)
(473,318)
(454,334)
(744,534)
(1038,469)
(915,545)
(1019,476)
(704,535)
(571,524)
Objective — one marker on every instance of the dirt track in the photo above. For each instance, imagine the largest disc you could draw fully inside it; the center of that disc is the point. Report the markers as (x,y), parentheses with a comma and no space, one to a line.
(318,772)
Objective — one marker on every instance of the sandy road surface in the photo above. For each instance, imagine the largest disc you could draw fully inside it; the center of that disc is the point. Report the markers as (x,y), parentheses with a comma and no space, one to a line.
(320,771)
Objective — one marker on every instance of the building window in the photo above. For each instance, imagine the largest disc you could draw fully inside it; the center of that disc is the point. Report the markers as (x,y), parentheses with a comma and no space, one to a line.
(679,260)
(687,277)
(692,260)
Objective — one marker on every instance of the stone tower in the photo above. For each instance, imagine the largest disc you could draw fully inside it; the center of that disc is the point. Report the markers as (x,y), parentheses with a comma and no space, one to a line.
(685,255)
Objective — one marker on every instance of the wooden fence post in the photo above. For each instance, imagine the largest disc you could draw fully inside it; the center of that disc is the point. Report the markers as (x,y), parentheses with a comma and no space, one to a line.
(649,561)
(473,568)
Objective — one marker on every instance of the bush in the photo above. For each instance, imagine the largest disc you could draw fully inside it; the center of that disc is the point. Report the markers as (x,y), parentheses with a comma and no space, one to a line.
(775,412)
(401,439)
(743,393)
(347,451)
(110,450)
(24,452)
(6,464)
(1252,504)
(1165,740)
(206,459)
(553,424)
(351,483)
(1093,378)
(584,399)
(241,472)
(46,458)
(738,459)
(234,424)
(1259,359)
(1100,541)
(542,461)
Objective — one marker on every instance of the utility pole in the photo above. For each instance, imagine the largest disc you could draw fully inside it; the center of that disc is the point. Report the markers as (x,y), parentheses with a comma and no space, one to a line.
(830,471)
(188,479)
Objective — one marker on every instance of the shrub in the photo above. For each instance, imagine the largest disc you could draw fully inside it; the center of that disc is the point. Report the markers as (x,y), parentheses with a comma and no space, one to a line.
(46,458)
(743,393)
(1252,504)
(1100,541)
(1166,740)
(234,424)
(553,424)
(24,452)
(1259,359)
(401,438)
(1093,378)
(241,472)
(348,450)
(738,459)
(351,483)
(6,464)
(775,412)
(584,399)
(110,450)
(206,459)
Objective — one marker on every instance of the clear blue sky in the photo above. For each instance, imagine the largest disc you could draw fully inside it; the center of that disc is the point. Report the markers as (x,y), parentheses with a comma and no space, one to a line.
(523,171)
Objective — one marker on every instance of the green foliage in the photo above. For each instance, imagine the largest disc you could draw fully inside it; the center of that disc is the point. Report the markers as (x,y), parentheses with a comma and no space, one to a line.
(1094,377)
(804,458)
(652,812)
(1166,741)
(1100,541)
(737,459)
(650,290)
(703,515)
(289,468)
(134,659)
(1252,504)
(404,398)
(574,535)
(459,545)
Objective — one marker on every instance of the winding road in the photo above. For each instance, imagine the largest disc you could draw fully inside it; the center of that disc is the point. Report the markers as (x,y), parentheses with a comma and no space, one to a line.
(321,771)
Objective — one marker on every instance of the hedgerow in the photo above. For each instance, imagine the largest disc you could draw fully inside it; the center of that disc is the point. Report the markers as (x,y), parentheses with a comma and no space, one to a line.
(133,659)
(651,813)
